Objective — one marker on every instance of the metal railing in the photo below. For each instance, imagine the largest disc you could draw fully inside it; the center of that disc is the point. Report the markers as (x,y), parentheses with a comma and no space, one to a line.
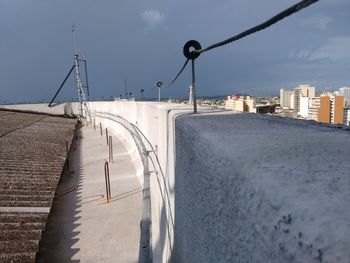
(147,155)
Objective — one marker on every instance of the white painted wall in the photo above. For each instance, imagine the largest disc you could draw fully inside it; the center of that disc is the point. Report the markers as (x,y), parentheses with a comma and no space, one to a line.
(157,122)
(304,106)
(249,187)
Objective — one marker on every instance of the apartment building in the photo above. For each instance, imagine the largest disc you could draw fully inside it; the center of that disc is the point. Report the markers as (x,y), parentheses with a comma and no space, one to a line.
(314,105)
(302,91)
(331,109)
(287,99)
(347,116)
(241,103)
(345,91)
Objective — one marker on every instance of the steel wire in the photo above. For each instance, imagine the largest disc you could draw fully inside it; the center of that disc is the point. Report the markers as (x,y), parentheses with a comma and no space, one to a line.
(287,12)
(280,16)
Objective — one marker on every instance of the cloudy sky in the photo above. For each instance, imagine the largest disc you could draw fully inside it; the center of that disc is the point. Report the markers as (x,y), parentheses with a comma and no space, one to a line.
(142,41)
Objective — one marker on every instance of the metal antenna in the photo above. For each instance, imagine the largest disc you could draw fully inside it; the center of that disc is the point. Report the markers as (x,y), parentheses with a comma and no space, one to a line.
(86,75)
(126,90)
(84,111)
(74,41)
(84,108)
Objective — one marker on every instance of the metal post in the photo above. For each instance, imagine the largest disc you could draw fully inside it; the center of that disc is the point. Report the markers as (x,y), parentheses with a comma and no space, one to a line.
(194,88)
(86,75)
(107,136)
(158,94)
(110,150)
(108,184)
(101,129)
(94,124)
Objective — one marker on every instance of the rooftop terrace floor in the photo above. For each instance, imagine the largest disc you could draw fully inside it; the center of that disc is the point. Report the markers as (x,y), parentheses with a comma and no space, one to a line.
(82,226)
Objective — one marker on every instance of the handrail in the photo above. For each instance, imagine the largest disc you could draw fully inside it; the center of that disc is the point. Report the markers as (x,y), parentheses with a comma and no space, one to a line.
(139,139)
(139,132)
(145,251)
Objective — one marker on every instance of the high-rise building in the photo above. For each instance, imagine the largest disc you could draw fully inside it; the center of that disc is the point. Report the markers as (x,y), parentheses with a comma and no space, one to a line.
(314,105)
(240,103)
(304,106)
(347,116)
(283,98)
(287,99)
(345,91)
(324,112)
(302,91)
(337,109)
(331,109)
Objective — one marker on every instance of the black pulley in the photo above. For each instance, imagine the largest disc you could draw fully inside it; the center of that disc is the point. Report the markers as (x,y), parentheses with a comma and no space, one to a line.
(142,91)
(189,47)
(159,84)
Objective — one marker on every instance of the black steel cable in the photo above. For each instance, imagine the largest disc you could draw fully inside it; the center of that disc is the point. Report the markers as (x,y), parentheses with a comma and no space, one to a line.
(59,89)
(289,11)
(178,74)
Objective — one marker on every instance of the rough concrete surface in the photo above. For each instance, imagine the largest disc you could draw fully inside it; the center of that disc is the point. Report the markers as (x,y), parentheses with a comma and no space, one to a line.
(254,188)
(82,226)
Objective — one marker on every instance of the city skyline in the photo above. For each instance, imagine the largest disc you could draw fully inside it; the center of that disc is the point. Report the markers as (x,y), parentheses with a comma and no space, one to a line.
(142,42)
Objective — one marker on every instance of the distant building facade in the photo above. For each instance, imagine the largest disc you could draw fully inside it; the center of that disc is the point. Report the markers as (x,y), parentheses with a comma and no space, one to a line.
(345,92)
(302,91)
(304,106)
(241,103)
(314,105)
(287,99)
(347,116)
(331,109)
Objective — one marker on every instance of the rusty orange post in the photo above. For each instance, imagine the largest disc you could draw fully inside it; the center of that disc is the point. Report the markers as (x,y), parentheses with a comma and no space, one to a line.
(110,149)
(108,183)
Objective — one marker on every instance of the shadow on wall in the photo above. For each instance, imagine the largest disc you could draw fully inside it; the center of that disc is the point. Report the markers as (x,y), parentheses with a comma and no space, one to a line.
(158,249)
(60,235)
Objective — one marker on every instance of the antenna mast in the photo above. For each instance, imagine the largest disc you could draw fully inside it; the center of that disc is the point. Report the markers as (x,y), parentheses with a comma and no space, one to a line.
(84,111)
(84,107)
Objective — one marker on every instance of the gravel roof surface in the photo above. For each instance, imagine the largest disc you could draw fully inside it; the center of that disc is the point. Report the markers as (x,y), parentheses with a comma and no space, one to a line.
(32,156)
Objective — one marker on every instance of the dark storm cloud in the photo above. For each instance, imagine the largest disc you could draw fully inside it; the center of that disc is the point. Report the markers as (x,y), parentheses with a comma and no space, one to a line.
(142,41)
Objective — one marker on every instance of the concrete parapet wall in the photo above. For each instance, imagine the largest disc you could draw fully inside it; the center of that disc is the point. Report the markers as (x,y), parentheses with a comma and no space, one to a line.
(157,122)
(254,188)
(240,187)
